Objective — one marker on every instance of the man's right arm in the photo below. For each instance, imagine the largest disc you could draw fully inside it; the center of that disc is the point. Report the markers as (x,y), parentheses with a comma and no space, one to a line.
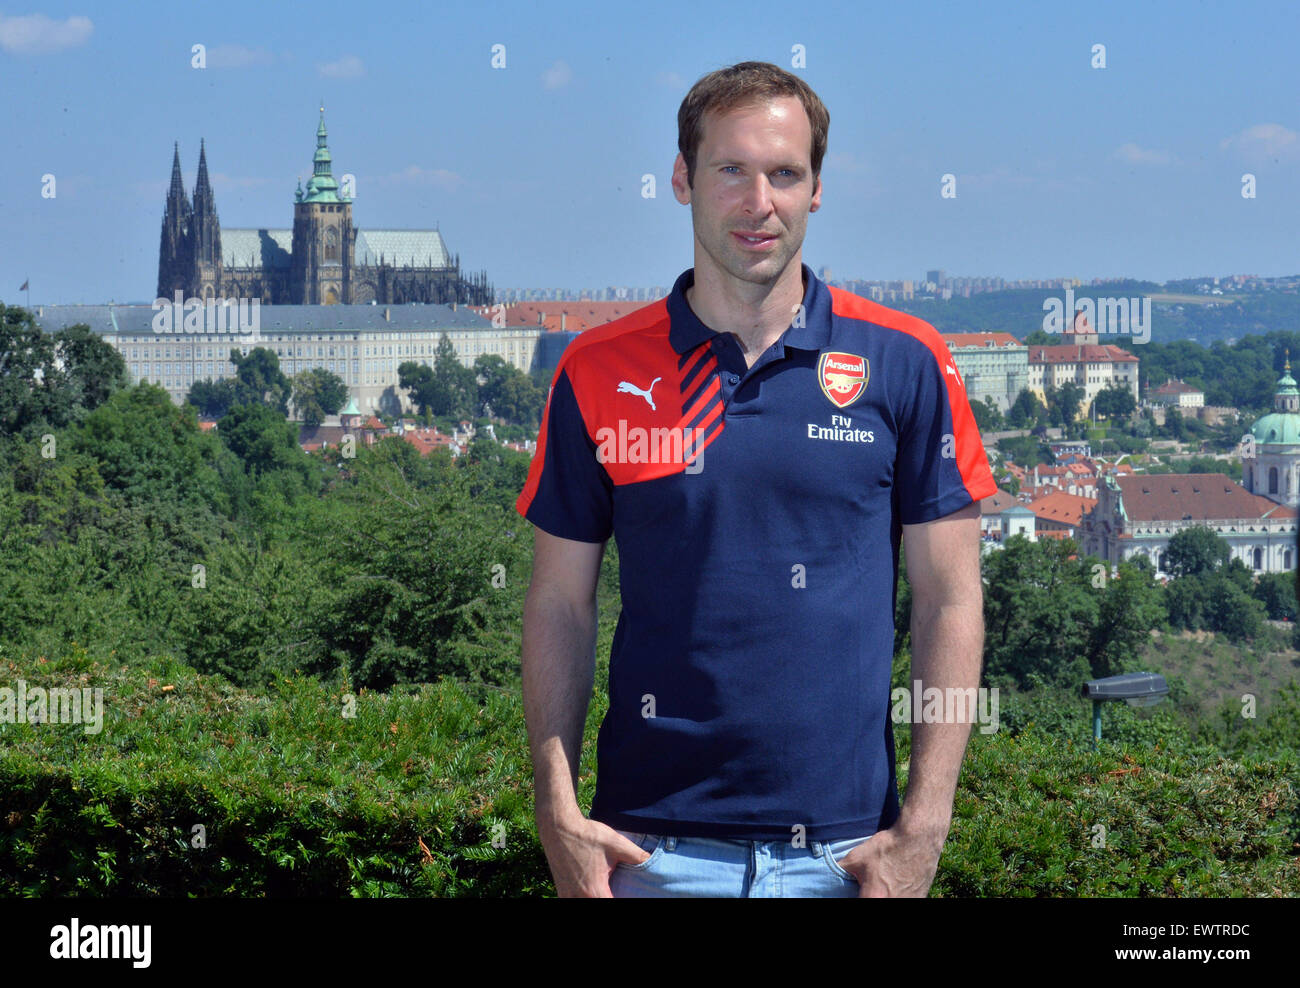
(559,665)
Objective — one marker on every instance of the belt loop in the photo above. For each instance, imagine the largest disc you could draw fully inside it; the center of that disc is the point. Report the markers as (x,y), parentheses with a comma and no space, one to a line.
(816,848)
(670,843)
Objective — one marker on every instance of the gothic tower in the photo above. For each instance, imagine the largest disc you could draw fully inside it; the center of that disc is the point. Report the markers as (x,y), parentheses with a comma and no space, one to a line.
(324,242)
(206,235)
(175,251)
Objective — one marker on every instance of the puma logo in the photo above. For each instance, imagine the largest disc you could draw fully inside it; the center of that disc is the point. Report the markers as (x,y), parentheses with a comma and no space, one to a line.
(627,387)
(950,369)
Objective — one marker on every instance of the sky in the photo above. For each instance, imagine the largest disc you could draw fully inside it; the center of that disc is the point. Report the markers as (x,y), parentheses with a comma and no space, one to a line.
(533,167)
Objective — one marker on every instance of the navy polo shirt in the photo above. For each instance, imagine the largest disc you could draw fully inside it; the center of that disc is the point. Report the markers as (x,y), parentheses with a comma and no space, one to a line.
(757,512)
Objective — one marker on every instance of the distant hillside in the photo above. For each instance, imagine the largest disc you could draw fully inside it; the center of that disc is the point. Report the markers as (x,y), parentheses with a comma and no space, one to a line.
(1020,312)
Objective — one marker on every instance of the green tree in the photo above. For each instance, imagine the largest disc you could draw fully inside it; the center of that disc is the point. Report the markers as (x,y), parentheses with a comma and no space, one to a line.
(1040,612)
(1114,402)
(151,450)
(1196,550)
(418,380)
(212,398)
(1276,591)
(1063,403)
(48,381)
(988,418)
(91,366)
(262,439)
(454,390)
(1132,604)
(1026,411)
(318,392)
(260,380)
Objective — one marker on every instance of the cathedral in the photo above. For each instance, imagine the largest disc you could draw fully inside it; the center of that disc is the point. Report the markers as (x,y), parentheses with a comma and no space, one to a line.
(323,260)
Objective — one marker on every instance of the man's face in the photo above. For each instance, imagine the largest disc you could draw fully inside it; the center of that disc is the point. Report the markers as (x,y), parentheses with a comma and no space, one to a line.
(753,174)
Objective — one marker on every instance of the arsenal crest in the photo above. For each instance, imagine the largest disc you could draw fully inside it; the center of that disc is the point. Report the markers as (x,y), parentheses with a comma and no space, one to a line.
(843,377)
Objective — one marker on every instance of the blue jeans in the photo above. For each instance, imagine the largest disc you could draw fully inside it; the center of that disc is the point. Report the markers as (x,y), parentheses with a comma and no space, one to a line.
(709,866)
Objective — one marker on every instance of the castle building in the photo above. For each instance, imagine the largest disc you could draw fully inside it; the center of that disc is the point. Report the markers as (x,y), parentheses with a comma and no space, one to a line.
(323,260)
(1084,361)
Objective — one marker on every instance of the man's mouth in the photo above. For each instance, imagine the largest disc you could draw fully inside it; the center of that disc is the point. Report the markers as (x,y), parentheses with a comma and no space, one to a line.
(754,238)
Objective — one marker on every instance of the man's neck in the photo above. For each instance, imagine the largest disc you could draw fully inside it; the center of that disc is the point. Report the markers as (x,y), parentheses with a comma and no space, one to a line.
(757,318)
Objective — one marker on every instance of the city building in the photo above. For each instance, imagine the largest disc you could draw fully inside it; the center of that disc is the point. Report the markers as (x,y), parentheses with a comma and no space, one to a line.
(1084,362)
(1270,461)
(1140,513)
(362,344)
(323,260)
(992,365)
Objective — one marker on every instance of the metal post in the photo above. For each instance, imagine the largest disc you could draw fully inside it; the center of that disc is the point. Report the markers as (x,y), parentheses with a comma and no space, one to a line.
(1096,723)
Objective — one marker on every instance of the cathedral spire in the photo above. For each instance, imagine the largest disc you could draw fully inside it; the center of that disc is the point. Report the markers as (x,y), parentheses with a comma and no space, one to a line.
(177,190)
(207,227)
(202,188)
(322,187)
(175,247)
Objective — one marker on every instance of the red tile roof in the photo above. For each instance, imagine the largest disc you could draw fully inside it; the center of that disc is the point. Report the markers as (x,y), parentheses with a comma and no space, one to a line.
(981,339)
(1174,496)
(1068,509)
(578,316)
(1075,353)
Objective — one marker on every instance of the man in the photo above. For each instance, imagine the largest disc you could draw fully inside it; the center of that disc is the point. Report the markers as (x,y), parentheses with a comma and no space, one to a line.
(757,443)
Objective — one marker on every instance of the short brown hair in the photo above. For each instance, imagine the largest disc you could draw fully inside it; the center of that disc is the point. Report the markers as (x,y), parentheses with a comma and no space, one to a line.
(741,85)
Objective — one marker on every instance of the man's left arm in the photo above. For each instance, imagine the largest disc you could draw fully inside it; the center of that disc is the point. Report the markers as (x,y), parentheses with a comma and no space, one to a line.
(943,567)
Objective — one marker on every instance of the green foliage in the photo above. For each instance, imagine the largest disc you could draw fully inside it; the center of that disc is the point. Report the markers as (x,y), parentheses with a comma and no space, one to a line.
(418,584)
(213,399)
(49,381)
(508,392)
(1196,550)
(318,392)
(1026,411)
(1025,451)
(1276,591)
(1040,815)
(294,797)
(148,449)
(448,388)
(264,440)
(1114,401)
(259,380)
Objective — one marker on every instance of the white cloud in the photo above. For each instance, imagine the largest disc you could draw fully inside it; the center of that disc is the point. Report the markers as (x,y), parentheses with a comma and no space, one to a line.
(1267,140)
(558,75)
(347,67)
(36,34)
(671,80)
(415,175)
(1134,155)
(237,57)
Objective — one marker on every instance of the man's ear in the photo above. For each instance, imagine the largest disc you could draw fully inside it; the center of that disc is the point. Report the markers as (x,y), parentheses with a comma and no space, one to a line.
(817,196)
(680,189)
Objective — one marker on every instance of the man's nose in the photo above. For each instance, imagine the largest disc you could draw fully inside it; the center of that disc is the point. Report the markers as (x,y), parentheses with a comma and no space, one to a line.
(758,195)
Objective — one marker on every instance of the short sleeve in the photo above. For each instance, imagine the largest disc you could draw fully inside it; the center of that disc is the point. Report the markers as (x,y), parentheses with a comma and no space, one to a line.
(940,466)
(568,493)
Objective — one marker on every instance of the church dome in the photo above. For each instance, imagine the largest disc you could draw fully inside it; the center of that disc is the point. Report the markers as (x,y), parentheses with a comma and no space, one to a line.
(1282,425)
(1277,427)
